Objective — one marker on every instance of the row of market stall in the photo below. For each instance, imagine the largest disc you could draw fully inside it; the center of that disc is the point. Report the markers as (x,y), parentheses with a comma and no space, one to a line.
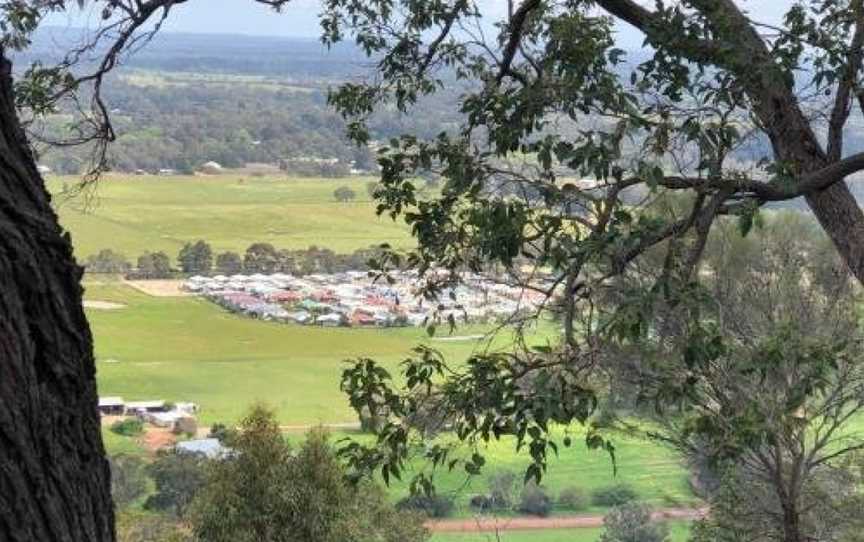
(353,299)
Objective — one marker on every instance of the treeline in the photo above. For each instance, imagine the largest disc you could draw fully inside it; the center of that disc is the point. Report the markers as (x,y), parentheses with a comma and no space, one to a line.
(199,258)
(180,126)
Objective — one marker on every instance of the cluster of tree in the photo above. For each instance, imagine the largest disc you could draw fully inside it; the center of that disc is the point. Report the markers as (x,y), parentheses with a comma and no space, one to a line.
(182,126)
(265,258)
(153,265)
(507,494)
(198,258)
(263,491)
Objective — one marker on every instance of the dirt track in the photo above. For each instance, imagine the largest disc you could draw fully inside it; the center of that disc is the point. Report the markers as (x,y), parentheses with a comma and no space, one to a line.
(102,305)
(492,524)
(159,288)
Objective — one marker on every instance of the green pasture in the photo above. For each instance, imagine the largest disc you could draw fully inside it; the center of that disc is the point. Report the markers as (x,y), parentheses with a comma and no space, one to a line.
(132,214)
(189,349)
(678,532)
(653,471)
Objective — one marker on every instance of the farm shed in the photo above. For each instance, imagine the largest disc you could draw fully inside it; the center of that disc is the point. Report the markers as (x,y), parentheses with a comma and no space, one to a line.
(112,406)
(210,448)
(145,406)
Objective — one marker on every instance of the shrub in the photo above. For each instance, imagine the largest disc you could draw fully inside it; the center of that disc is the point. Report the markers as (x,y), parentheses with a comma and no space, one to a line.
(185,426)
(632,522)
(614,495)
(434,506)
(535,501)
(130,427)
(221,432)
(573,498)
(481,503)
(502,489)
(128,479)
(178,478)
(344,194)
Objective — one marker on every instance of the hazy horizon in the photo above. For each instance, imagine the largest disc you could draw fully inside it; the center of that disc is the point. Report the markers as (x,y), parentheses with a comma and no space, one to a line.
(300,20)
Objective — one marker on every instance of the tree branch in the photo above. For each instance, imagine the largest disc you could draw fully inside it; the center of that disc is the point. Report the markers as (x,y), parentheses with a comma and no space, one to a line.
(841,109)
(515,27)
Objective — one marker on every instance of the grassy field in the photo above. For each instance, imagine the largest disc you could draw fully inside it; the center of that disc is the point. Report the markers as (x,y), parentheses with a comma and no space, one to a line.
(186,348)
(133,214)
(678,533)
(654,472)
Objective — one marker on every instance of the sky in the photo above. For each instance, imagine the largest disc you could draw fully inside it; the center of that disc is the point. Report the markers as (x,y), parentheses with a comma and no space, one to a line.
(300,17)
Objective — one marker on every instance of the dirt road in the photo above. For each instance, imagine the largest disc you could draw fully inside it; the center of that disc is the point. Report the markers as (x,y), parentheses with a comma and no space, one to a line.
(492,524)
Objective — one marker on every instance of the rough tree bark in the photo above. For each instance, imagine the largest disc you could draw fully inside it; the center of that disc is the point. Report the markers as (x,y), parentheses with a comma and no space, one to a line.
(54,477)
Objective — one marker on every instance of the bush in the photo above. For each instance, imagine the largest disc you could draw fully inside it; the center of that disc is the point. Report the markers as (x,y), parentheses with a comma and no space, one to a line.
(221,432)
(178,478)
(535,501)
(344,194)
(481,503)
(130,427)
(632,522)
(434,506)
(573,498)
(128,479)
(185,426)
(502,490)
(614,495)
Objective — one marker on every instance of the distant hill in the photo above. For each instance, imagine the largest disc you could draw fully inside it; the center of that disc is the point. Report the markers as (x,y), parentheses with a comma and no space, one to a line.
(217,53)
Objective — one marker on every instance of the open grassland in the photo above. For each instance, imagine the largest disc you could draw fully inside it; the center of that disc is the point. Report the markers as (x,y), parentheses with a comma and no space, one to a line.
(132,214)
(188,349)
(678,532)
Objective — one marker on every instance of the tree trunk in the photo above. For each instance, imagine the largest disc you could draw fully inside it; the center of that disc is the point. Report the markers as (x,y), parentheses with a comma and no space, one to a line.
(791,523)
(54,478)
(842,219)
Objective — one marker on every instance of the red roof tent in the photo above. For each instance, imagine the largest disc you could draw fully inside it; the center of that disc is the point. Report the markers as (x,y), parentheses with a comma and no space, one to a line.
(284,297)
(324,296)
(362,317)
(378,301)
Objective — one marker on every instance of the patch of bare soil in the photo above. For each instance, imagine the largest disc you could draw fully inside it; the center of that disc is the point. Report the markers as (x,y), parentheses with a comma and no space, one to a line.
(493,524)
(159,288)
(157,438)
